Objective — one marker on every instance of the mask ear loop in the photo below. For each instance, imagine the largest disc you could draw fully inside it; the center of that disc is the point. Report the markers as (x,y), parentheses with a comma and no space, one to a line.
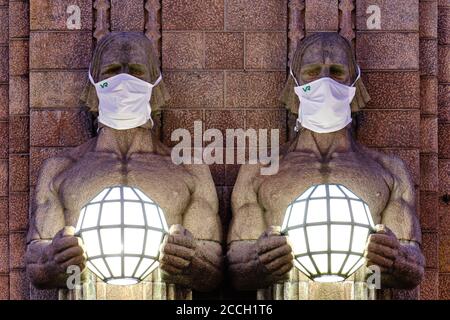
(93,83)
(90,77)
(357,78)
(298,126)
(292,74)
(157,80)
(151,119)
(154,85)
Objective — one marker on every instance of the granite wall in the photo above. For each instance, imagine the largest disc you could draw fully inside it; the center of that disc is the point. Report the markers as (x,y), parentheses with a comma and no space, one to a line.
(224,62)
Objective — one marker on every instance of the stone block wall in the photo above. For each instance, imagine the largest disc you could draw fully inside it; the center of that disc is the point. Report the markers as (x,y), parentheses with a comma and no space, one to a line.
(225,63)
(443,113)
(390,58)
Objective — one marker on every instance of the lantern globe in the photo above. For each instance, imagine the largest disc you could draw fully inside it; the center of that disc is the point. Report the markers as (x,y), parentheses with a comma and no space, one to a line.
(328,227)
(122,230)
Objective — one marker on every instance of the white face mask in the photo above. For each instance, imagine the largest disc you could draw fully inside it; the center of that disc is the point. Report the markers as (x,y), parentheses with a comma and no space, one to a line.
(124,101)
(324,104)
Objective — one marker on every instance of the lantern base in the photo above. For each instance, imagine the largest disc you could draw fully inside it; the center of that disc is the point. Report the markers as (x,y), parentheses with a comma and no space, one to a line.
(329,278)
(123,281)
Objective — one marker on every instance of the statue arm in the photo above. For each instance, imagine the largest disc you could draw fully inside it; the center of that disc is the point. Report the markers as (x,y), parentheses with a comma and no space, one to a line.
(248,243)
(406,269)
(201,243)
(47,218)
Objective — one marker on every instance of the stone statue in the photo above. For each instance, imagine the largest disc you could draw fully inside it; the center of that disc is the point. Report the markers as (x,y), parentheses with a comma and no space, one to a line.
(191,255)
(258,255)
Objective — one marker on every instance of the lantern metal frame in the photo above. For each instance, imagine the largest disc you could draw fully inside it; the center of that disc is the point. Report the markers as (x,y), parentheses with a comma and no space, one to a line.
(123,279)
(328,223)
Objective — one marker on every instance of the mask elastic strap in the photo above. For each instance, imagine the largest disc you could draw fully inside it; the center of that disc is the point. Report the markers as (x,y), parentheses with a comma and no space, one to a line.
(292,74)
(154,85)
(298,125)
(357,78)
(90,77)
(157,80)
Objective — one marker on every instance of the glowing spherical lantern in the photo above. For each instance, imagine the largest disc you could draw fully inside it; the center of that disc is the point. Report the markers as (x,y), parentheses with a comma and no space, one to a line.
(122,230)
(328,226)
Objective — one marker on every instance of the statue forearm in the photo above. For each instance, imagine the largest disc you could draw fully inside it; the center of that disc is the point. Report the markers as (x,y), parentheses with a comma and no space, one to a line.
(245,268)
(407,270)
(204,272)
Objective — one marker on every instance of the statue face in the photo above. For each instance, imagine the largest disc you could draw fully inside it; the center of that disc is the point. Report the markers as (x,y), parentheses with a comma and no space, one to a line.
(124,56)
(325,58)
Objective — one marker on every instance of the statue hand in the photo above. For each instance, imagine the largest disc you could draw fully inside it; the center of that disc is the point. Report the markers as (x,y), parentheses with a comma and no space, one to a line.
(177,250)
(65,250)
(382,248)
(274,252)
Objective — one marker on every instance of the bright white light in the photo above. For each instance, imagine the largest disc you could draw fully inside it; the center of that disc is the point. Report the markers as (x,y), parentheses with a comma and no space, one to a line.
(328,226)
(123,281)
(122,230)
(331,278)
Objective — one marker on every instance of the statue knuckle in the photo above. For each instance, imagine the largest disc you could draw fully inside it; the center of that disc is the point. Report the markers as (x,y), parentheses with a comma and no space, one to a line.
(287,248)
(283,239)
(163,259)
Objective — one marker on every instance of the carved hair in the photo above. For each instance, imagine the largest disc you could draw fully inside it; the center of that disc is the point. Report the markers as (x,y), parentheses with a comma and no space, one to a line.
(159,94)
(288,96)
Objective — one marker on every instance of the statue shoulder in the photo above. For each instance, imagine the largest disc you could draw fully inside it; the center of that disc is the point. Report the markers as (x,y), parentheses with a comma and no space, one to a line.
(393,164)
(53,166)
(162,149)
(79,151)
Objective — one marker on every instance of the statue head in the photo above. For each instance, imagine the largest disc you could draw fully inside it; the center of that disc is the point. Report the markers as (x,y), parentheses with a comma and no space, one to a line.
(324,54)
(125,52)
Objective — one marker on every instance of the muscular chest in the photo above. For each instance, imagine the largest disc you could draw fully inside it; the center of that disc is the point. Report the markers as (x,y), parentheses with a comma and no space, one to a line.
(365,177)
(155,175)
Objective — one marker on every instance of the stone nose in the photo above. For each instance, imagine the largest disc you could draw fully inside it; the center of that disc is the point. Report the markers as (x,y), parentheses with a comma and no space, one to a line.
(125,68)
(325,72)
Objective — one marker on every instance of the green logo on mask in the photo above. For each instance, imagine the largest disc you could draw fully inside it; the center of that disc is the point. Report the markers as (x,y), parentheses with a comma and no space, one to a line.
(307,88)
(104,85)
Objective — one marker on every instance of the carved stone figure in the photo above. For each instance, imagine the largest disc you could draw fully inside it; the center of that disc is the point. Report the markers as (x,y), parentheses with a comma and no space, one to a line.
(191,255)
(259,256)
